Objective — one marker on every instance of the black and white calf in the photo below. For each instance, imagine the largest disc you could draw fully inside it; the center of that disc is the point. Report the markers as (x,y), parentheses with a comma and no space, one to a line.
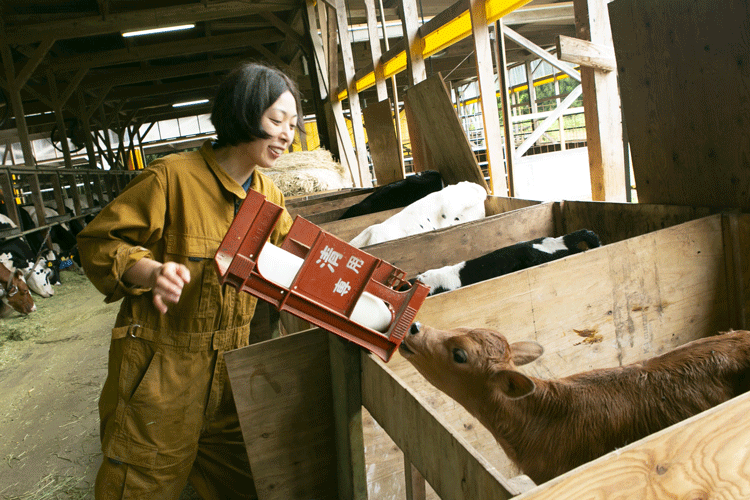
(397,194)
(15,253)
(507,260)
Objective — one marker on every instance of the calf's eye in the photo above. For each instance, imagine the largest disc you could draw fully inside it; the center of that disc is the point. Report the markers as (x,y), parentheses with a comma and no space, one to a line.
(459,355)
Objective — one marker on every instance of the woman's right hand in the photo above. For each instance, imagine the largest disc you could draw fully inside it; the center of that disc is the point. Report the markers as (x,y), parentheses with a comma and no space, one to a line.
(167,281)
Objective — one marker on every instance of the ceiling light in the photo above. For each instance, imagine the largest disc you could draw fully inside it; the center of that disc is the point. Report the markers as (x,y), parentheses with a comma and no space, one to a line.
(189,103)
(158,30)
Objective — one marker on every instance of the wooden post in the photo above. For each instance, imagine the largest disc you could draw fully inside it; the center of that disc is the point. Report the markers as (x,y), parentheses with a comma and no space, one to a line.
(52,81)
(502,73)
(414,59)
(14,93)
(601,105)
(492,136)
(346,382)
(394,91)
(84,117)
(355,107)
(376,50)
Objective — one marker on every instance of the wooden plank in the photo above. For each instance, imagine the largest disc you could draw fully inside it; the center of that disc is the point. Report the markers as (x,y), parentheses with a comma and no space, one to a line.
(585,53)
(734,270)
(453,469)
(315,198)
(448,145)
(743,263)
(670,54)
(282,389)
(704,456)
(601,105)
(326,204)
(347,229)
(608,306)
(466,241)
(384,147)
(615,222)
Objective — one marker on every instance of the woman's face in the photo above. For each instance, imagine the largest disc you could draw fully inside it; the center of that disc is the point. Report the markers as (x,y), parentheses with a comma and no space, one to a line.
(279,121)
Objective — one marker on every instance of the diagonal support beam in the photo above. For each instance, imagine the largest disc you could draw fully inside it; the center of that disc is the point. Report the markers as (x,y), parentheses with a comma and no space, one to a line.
(542,54)
(33,62)
(547,123)
(73,85)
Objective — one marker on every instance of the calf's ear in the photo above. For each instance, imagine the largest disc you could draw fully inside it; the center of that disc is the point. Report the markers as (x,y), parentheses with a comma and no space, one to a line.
(514,384)
(525,352)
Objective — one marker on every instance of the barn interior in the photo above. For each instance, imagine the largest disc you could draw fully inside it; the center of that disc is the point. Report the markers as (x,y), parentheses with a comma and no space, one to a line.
(619,116)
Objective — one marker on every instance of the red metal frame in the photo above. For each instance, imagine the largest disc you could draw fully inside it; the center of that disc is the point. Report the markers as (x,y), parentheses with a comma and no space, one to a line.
(315,295)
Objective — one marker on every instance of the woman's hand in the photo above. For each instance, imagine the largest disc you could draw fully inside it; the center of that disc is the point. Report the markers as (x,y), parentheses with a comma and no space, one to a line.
(167,281)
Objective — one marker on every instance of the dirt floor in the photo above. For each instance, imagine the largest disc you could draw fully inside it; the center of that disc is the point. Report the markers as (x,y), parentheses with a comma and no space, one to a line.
(52,365)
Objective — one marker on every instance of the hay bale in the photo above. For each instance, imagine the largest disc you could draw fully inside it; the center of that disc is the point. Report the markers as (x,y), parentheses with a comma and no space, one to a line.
(305,172)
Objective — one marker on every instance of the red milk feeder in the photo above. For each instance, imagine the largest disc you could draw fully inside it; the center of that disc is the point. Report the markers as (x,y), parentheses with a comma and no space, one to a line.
(319,278)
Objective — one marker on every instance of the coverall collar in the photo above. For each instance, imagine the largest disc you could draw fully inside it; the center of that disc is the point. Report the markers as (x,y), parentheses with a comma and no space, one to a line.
(231,185)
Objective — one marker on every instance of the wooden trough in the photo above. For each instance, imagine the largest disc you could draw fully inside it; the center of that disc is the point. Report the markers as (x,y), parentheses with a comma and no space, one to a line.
(635,297)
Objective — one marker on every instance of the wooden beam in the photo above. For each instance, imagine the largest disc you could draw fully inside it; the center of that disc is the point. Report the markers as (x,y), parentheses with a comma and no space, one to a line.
(129,76)
(542,54)
(72,85)
(23,76)
(547,123)
(319,58)
(602,112)
(583,53)
(376,50)
(14,94)
(280,25)
(140,19)
(62,132)
(414,59)
(163,50)
(505,98)
(355,107)
(493,140)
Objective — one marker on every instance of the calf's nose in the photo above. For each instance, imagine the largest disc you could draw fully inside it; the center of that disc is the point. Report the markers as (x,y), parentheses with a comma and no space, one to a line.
(415,328)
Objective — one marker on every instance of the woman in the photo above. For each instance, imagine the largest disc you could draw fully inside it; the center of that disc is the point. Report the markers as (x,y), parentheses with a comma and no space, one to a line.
(166,409)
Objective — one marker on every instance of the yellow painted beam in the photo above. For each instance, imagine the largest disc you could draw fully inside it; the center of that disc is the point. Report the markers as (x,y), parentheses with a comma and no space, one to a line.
(444,36)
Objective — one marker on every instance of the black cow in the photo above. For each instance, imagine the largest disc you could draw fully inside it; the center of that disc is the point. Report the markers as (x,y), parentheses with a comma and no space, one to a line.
(507,260)
(397,194)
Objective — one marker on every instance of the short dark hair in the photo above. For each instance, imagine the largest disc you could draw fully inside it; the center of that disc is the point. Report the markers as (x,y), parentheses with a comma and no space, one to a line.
(242,98)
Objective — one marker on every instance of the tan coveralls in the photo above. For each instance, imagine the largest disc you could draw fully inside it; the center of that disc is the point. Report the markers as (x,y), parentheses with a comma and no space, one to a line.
(167,412)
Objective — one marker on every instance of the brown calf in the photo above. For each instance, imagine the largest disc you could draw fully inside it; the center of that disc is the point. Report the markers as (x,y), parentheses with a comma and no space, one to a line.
(548,427)
(15,291)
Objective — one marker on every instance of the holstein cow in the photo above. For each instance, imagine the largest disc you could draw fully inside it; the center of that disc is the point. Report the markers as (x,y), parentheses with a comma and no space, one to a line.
(397,194)
(507,260)
(64,243)
(15,292)
(548,427)
(35,240)
(454,204)
(15,253)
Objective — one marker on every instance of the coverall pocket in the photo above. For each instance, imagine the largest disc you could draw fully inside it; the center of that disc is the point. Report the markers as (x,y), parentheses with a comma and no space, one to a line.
(200,297)
(162,395)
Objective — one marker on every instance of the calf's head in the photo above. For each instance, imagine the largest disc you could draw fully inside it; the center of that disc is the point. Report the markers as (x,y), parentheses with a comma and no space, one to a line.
(466,363)
(17,293)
